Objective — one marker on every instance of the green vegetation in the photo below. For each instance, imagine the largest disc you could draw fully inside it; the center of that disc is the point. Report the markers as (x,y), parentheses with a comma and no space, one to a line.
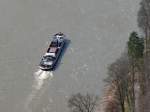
(123,73)
(135,46)
(138,64)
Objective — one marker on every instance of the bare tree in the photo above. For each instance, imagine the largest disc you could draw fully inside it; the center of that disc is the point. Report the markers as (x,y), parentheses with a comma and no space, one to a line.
(111,100)
(144,25)
(82,103)
(118,75)
(144,18)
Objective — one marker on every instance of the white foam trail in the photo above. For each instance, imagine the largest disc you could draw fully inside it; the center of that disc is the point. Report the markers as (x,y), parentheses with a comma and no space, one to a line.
(38,72)
(40,77)
(44,75)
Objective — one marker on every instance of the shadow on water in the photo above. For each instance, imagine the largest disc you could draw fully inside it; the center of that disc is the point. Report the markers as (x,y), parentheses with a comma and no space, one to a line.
(58,63)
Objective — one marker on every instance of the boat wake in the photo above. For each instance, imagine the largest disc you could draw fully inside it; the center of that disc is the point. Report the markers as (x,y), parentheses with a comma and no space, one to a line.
(40,77)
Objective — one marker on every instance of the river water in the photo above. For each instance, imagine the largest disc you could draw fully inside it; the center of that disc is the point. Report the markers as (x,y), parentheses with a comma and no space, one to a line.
(97,30)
